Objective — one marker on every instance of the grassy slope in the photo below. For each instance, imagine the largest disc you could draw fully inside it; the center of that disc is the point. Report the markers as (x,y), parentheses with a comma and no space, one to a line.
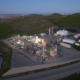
(67,21)
(34,24)
(31,24)
(55,15)
(5,30)
(7,55)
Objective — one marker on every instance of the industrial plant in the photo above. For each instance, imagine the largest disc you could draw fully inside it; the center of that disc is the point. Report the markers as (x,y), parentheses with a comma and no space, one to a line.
(44,46)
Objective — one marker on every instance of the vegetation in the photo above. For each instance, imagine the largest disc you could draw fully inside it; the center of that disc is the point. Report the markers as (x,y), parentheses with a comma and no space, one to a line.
(73,77)
(5,30)
(67,21)
(40,23)
(31,24)
(37,23)
(7,55)
(54,16)
(76,47)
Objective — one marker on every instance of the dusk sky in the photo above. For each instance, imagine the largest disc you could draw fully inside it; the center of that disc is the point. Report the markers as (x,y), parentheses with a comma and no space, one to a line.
(39,6)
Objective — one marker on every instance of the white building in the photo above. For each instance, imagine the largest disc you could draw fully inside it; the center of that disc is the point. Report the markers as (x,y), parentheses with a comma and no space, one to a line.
(62,32)
(68,41)
(65,45)
(42,34)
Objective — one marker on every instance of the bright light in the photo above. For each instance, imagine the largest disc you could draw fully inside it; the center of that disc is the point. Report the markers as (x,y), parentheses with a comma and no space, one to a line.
(18,42)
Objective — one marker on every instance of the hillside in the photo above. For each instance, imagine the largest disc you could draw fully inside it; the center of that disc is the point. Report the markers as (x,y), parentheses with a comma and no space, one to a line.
(55,15)
(67,21)
(35,23)
(5,30)
(31,24)
(7,55)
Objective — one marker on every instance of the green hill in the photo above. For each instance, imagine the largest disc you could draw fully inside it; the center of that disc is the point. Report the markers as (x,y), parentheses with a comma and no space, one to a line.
(36,23)
(67,21)
(7,55)
(55,15)
(5,30)
(31,24)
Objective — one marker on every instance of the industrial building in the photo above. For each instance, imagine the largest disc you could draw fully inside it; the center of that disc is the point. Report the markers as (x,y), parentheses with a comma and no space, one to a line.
(43,46)
(35,45)
(65,45)
(70,41)
(62,32)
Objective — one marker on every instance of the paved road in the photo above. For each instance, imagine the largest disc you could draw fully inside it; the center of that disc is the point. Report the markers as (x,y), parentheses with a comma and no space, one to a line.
(53,74)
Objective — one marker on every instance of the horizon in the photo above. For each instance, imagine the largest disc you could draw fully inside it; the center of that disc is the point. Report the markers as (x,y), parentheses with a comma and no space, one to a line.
(3,15)
(39,6)
(35,13)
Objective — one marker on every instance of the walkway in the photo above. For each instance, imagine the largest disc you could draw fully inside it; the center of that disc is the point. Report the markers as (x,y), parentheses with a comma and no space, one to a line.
(53,74)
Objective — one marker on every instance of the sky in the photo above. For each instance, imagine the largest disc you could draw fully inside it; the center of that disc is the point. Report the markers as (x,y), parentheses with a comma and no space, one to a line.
(39,6)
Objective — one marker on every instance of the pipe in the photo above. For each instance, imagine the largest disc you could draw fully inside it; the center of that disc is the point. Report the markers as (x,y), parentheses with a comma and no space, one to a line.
(36,39)
(49,32)
(43,52)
